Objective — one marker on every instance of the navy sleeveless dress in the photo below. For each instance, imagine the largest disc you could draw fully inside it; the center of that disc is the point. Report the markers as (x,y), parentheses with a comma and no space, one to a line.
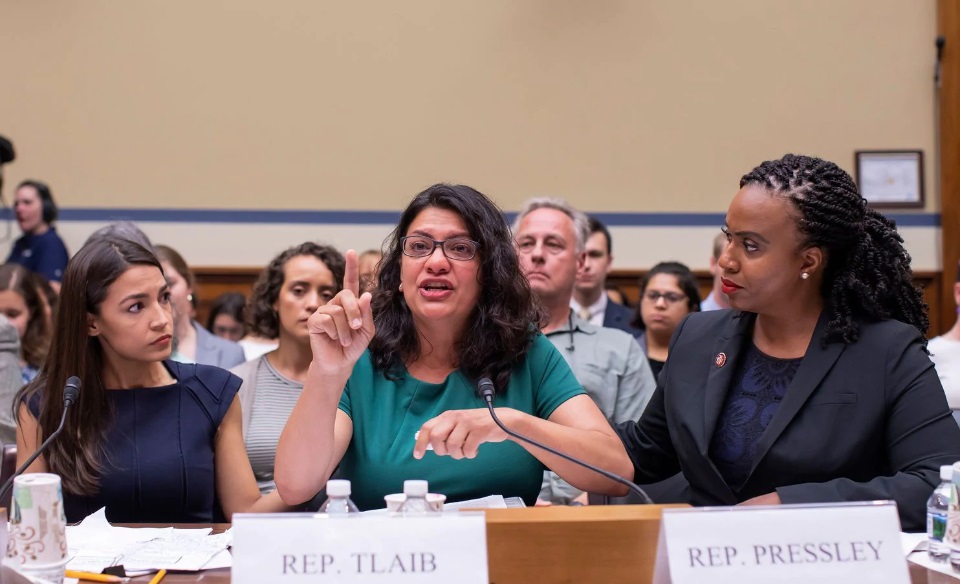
(159,465)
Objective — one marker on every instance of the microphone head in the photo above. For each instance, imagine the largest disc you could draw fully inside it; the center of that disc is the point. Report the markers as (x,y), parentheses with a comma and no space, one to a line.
(71,391)
(485,386)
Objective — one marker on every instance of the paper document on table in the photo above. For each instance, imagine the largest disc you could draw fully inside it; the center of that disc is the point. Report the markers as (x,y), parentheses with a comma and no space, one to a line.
(95,544)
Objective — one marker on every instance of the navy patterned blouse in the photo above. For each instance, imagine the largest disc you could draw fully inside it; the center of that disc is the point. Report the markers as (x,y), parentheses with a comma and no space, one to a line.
(760,385)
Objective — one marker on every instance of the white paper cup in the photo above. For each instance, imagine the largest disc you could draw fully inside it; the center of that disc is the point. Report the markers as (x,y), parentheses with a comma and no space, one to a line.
(434,500)
(53,573)
(38,538)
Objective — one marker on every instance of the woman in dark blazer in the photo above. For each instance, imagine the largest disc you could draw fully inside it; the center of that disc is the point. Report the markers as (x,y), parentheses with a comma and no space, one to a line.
(817,386)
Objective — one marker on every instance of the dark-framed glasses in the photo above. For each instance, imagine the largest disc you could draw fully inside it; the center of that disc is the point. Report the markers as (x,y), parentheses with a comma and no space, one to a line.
(458,248)
(670,297)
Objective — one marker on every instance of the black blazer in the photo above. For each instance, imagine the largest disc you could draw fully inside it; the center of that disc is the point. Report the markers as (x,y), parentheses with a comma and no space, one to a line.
(861,421)
(619,317)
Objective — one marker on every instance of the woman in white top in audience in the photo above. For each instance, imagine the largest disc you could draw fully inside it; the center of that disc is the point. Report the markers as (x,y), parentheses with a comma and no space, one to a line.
(290,289)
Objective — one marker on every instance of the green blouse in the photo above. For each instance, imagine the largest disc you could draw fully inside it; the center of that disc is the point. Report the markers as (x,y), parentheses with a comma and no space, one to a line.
(387,415)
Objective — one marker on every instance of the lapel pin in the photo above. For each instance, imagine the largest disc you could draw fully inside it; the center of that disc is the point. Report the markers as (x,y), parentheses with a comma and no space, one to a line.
(720,360)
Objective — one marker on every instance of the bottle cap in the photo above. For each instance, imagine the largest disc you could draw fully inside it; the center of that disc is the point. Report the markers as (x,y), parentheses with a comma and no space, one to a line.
(415,488)
(338,488)
(946,472)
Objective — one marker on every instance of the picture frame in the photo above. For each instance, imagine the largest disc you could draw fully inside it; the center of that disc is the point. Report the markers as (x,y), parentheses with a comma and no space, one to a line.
(891,178)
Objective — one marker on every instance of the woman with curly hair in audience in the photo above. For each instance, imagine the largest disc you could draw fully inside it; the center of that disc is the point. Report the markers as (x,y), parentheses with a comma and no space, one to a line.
(293,286)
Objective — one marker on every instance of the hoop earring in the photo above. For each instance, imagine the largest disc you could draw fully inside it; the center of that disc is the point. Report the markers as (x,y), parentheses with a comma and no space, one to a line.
(804,275)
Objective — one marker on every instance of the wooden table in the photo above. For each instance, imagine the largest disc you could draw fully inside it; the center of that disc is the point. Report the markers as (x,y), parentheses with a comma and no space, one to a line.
(918,574)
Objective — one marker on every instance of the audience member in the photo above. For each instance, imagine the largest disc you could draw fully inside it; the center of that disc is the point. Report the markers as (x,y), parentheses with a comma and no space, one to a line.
(121,230)
(368,262)
(11,379)
(226,319)
(590,300)
(608,363)
(817,387)
(716,300)
(668,294)
(945,353)
(149,439)
(7,154)
(295,284)
(22,304)
(451,306)
(40,248)
(193,343)
(615,294)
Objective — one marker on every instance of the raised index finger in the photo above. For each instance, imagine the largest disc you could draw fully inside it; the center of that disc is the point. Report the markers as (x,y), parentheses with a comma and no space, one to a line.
(351,273)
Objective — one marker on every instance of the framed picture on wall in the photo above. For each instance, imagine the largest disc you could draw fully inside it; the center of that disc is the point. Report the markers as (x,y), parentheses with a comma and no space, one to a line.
(891,178)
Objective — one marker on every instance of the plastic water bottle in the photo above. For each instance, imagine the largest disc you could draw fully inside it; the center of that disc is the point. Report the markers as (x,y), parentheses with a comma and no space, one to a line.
(938,505)
(338,501)
(415,501)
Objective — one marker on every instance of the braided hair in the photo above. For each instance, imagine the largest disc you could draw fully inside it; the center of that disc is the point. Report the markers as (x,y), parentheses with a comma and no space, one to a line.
(868,275)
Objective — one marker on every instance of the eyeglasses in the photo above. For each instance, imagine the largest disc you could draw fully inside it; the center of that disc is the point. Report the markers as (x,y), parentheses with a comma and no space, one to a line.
(418,246)
(670,297)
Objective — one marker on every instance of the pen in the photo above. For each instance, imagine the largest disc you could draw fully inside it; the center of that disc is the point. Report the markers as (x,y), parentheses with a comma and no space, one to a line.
(92,577)
(156,579)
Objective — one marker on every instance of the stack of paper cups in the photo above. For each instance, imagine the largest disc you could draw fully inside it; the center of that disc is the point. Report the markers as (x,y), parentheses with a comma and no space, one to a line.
(38,538)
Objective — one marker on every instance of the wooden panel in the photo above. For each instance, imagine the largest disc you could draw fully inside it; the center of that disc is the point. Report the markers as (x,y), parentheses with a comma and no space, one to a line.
(573,544)
(213,281)
(948,26)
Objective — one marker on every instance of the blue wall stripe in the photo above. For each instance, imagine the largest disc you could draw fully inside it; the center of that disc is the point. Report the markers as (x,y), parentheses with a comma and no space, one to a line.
(391,217)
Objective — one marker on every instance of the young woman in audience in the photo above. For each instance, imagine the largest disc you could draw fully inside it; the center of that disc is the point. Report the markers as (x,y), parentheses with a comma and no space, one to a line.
(40,248)
(295,284)
(667,295)
(192,342)
(451,306)
(23,305)
(817,386)
(150,439)
(226,318)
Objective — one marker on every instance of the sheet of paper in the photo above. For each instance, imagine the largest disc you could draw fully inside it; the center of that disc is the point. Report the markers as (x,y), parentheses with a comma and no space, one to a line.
(912,542)
(488,502)
(95,545)
(922,559)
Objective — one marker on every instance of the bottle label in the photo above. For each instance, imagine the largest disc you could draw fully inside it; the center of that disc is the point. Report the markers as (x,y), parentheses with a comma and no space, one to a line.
(936,526)
(952,534)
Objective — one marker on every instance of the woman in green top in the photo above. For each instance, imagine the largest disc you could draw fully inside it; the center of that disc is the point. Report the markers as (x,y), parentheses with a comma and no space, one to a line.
(443,318)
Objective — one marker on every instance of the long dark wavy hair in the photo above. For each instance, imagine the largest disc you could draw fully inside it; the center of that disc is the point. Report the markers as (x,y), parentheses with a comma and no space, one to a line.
(507,316)
(77,456)
(868,275)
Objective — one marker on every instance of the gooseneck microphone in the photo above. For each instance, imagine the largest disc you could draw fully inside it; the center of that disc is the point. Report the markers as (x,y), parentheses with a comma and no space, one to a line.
(487,392)
(70,394)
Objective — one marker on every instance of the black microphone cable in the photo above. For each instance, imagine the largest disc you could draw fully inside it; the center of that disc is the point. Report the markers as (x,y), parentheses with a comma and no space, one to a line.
(70,394)
(487,392)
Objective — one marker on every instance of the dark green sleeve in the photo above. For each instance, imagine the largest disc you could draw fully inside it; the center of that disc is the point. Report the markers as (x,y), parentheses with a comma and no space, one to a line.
(554,382)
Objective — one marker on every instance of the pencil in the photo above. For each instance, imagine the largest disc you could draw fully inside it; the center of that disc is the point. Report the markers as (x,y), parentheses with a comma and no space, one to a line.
(156,579)
(92,577)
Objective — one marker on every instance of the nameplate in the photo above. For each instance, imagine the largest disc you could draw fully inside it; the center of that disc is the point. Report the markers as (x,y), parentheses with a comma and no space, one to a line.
(307,547)
(823,543)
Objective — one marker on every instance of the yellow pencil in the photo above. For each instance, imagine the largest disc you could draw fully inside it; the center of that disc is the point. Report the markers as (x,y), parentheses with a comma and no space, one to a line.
(92,577)
(156,579)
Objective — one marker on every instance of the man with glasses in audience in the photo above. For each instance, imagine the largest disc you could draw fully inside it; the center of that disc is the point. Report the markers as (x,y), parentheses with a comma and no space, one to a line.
(590,300)
(609,364)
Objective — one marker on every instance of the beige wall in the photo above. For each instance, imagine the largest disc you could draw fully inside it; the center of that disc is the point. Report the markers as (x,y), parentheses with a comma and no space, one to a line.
(643,105)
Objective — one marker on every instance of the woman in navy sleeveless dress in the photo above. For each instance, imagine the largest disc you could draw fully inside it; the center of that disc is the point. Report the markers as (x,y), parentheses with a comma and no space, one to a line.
(150,439)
